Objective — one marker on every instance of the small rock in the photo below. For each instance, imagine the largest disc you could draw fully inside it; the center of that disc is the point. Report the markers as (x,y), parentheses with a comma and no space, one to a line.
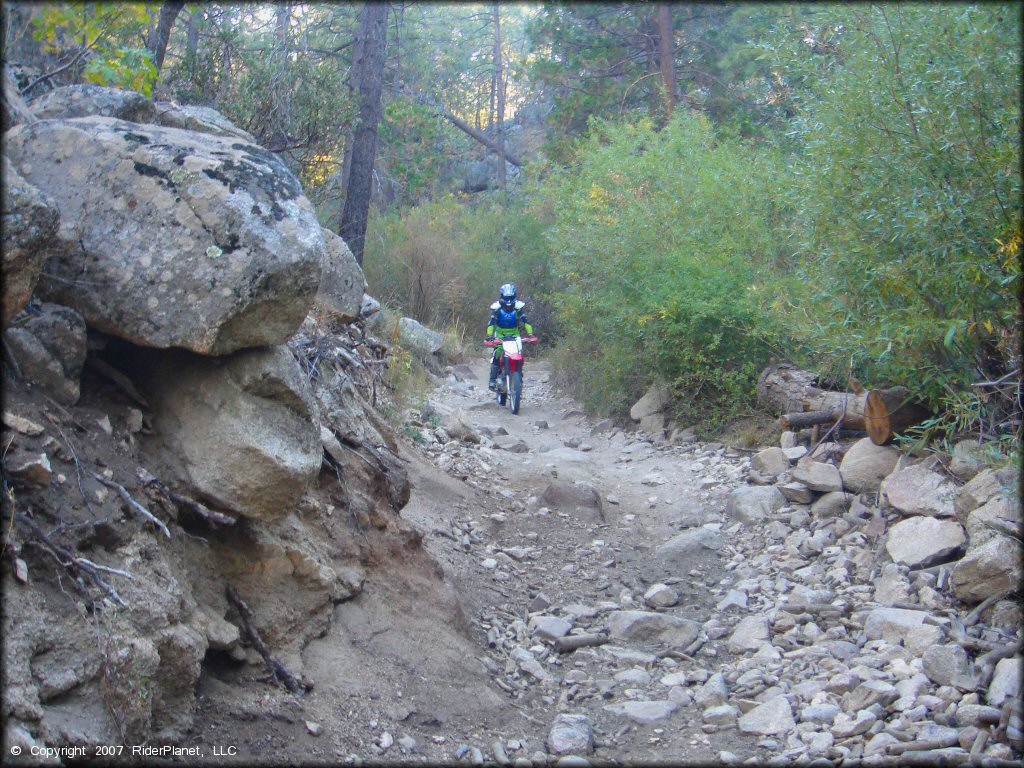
(1005,681)
(643,711)
(770,461)
(773,717)
(34,469)
(921,541)
(571,733)
(314,728)
(549,627)
(948,665)
(750,634)
(661,596)
(818,476)
(722,715)
(22,425)
(408,743)
(845,726)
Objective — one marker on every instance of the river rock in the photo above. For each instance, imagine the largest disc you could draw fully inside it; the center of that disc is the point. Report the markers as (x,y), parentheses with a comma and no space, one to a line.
(571,496)
(652,402)
(679,551)
(750,634)
(770,461)
(818,476)
(342,283)
(170,238)
(968,459)
(571,734)
(70,101)
(752,504)
(418,338)
(798,493)
(643,711)
(999,512)
(773,717)
(1005,681)
(918,490)
(458,425)
(869,693)
(549,627)
(30,222)
(661,596)
(242,430)
(991,568)
(983,487)
(833,504)
(898,625)
(865,465)
(50,347)
(713,693)
(649,627)
(948,665)
(922,541)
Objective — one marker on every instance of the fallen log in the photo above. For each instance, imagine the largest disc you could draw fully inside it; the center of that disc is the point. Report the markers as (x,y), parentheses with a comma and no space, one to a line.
(277,670)
(796,394)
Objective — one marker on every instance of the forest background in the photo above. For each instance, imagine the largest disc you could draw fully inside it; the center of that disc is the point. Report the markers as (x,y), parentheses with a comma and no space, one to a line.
(682,191)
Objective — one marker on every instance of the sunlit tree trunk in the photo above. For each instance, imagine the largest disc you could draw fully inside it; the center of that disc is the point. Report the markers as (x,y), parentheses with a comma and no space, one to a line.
(370,65)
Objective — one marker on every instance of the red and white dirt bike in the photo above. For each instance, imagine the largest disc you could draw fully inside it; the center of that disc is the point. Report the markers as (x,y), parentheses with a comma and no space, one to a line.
(510,372)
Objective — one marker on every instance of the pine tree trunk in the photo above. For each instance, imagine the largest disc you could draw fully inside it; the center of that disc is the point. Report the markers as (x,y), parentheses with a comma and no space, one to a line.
(666,56)
(499,87)
(373,32)
(158,39)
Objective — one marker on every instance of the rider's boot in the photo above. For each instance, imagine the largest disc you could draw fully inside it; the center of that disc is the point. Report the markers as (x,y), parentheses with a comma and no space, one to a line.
(492,384)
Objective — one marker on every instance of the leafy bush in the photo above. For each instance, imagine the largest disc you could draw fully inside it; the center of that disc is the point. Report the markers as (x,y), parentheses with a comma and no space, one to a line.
(665,244)
(908,188)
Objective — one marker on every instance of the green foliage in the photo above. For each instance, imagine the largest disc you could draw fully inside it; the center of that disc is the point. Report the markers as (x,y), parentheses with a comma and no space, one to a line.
(908,180)
(665,243)
(109,37)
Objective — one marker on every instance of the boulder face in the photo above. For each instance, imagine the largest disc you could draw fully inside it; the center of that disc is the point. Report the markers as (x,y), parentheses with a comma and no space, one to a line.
(171,238)
(70,101)
(243,430)
(342,284)
(418,338)
(918,490)
(865,465)
(201,119)
(30,221)
(50,348)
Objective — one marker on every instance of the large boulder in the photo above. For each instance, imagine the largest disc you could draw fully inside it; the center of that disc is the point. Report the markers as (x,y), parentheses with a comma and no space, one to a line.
(818,476)
(342,283)
(985,486)
(170,238)
(993,568)
(918,490)
(417,338)
(30,221)
(922,541)
(572,497)
(242,431)
(70,101)
(648,627)
(653,402)
(986,522)
(752,504)
(49,345)
(190,117)
(865,465)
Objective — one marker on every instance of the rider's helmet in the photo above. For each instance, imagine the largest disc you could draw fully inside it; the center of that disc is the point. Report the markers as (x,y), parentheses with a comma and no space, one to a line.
(507,296)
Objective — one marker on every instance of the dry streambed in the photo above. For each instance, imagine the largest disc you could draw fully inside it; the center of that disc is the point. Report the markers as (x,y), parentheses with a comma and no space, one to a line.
(637,600)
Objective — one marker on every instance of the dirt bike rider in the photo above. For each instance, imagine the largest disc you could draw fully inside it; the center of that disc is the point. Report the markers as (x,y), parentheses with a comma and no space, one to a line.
(507,317)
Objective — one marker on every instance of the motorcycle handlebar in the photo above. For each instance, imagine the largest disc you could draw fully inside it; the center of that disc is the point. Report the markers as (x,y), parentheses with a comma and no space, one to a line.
(496,342)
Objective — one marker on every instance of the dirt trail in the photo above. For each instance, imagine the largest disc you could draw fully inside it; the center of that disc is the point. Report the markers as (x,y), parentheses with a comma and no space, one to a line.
(411,672)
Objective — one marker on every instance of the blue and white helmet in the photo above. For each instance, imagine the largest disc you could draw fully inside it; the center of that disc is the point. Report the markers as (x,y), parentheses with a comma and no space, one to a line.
(507,296)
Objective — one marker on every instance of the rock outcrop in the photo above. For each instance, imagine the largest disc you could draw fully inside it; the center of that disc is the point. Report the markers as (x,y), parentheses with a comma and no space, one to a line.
(170,238)
(30,221)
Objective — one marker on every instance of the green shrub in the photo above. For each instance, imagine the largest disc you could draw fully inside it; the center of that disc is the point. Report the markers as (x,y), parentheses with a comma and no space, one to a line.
(907,188)
(665,247)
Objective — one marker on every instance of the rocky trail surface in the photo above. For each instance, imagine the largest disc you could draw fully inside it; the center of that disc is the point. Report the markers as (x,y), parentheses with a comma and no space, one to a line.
(614,599)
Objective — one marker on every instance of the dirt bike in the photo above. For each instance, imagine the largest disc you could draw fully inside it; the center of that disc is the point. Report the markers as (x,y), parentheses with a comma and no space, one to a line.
(510,373)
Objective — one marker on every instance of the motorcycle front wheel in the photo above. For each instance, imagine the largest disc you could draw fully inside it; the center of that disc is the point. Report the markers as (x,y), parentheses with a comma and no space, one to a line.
(515,391)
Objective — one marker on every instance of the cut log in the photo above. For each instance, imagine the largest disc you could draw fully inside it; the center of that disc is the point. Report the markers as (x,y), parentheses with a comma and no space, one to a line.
(795,392)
